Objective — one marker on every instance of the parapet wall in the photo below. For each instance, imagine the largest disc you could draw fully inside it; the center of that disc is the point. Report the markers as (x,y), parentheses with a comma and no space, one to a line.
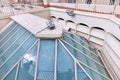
(101,30)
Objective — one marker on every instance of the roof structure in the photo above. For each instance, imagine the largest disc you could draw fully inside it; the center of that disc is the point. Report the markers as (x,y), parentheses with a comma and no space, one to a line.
(23,56)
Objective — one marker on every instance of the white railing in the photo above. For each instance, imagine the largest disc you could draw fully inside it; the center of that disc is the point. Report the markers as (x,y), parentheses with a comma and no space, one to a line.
(17,8)
(94,8)
(107,66)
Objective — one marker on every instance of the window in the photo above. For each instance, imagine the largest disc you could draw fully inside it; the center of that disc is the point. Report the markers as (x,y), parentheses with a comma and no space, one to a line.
(69,21)
(112,2)
(88,1)
(99,28)
(71,1)
(60,19)
(83,24)
(40,0)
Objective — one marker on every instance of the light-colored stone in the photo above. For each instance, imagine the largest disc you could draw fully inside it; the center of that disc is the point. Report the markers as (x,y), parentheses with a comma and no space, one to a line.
(38,26)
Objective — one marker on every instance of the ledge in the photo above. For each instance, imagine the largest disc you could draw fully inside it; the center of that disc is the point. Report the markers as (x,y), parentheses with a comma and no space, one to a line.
(104,16)
(38,26)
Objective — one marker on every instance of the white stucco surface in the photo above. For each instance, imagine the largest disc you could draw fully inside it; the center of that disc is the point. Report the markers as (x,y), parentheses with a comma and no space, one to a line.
(38,26)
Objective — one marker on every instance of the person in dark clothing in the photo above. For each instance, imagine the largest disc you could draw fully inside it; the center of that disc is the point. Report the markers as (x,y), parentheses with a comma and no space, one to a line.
(25,71)
(26,66)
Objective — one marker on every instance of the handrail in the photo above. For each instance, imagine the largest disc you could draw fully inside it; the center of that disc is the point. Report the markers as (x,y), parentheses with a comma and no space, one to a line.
(107,66)
(92,8)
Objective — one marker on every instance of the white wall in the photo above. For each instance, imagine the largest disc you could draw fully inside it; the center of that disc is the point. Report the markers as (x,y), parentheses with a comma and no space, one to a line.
(111,50)
(4,22)
(45,13)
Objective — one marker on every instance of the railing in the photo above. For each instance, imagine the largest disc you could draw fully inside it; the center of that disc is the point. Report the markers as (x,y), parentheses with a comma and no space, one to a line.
(17,8)
(93,8)
(108,67)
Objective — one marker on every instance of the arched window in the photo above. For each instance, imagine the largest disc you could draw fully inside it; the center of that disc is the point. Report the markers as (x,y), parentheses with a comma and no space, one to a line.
(83,24)
(112,2)
(98,28)
(70,21)
(98,32)
(53,18)
(82,29)
(70,24)
(60,19)
(88,1)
